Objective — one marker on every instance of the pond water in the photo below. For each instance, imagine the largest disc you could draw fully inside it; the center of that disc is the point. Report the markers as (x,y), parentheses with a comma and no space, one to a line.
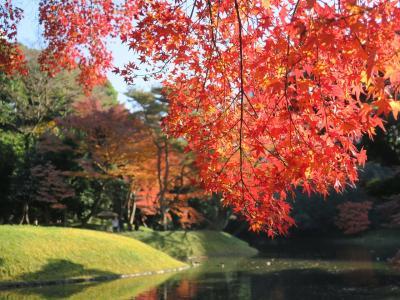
(291,273)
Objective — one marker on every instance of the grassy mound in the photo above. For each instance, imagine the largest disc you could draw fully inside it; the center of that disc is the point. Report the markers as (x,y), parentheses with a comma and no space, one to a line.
(190,244)
(43,253)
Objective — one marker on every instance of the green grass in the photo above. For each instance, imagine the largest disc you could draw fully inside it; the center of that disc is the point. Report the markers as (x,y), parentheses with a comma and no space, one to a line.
(42,253)
(193,244)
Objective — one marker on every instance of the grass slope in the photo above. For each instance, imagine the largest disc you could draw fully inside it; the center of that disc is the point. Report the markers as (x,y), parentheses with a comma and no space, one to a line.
(190,244)
(42,253)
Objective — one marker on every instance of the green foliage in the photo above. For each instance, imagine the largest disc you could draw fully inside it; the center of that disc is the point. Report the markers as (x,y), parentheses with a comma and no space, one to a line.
(216,216)
(29,102)
(384,187)
(7,168)
(107,94)
(28,106)
(151,106)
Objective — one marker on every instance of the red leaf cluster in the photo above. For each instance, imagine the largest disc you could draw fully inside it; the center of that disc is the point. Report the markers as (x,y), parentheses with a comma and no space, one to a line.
(77,33)
(353,217)
(51,185)
(12,59)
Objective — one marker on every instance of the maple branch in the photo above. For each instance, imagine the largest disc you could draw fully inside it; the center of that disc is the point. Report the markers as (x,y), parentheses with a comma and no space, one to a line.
(214,42)
(251,105)
(241,92)
(287,74)
(193,8)
(295,10)
(227,161)
(223,112)
(213,38)
(277,154)
(160,69)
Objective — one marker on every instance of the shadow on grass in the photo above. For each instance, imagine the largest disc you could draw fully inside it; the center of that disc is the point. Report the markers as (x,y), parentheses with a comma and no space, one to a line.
(60,269)
(188,245)
(63,269)
(177,247)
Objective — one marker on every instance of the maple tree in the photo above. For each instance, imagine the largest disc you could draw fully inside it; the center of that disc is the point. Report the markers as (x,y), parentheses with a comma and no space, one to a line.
(111,143)
(151,111)
(51,187)
(170,172)
(114,140)
(389,211)
(353,217)
(272,95)
(169,196)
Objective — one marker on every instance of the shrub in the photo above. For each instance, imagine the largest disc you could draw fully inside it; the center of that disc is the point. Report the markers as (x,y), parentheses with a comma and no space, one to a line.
(353,216)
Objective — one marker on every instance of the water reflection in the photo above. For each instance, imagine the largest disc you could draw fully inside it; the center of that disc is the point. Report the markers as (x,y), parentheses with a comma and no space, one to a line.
(288,272)
(259,282)
(116,289)
(346,273)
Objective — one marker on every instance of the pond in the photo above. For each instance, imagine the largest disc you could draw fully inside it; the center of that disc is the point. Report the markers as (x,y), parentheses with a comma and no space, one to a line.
(288,272)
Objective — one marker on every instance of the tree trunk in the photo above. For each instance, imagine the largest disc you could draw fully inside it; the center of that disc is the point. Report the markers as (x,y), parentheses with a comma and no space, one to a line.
(163,180)
(25,214)
(46,215)
(132,213)
(94,207)
(160,182)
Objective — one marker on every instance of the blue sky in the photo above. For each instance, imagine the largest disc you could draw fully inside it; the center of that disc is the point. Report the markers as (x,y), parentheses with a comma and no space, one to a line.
(29,35)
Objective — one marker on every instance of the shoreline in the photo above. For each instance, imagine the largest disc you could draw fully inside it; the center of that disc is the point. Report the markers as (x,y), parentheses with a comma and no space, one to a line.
(38,283)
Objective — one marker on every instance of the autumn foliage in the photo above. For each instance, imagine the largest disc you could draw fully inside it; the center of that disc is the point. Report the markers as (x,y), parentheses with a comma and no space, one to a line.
(389,211)
(180,186)
(11,57)
(272,95)
(117,144)
(112,143)
(51,185)
(353,217)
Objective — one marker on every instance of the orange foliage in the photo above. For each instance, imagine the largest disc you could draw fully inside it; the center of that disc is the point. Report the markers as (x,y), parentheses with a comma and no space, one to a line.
(180,188)
(117,143)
